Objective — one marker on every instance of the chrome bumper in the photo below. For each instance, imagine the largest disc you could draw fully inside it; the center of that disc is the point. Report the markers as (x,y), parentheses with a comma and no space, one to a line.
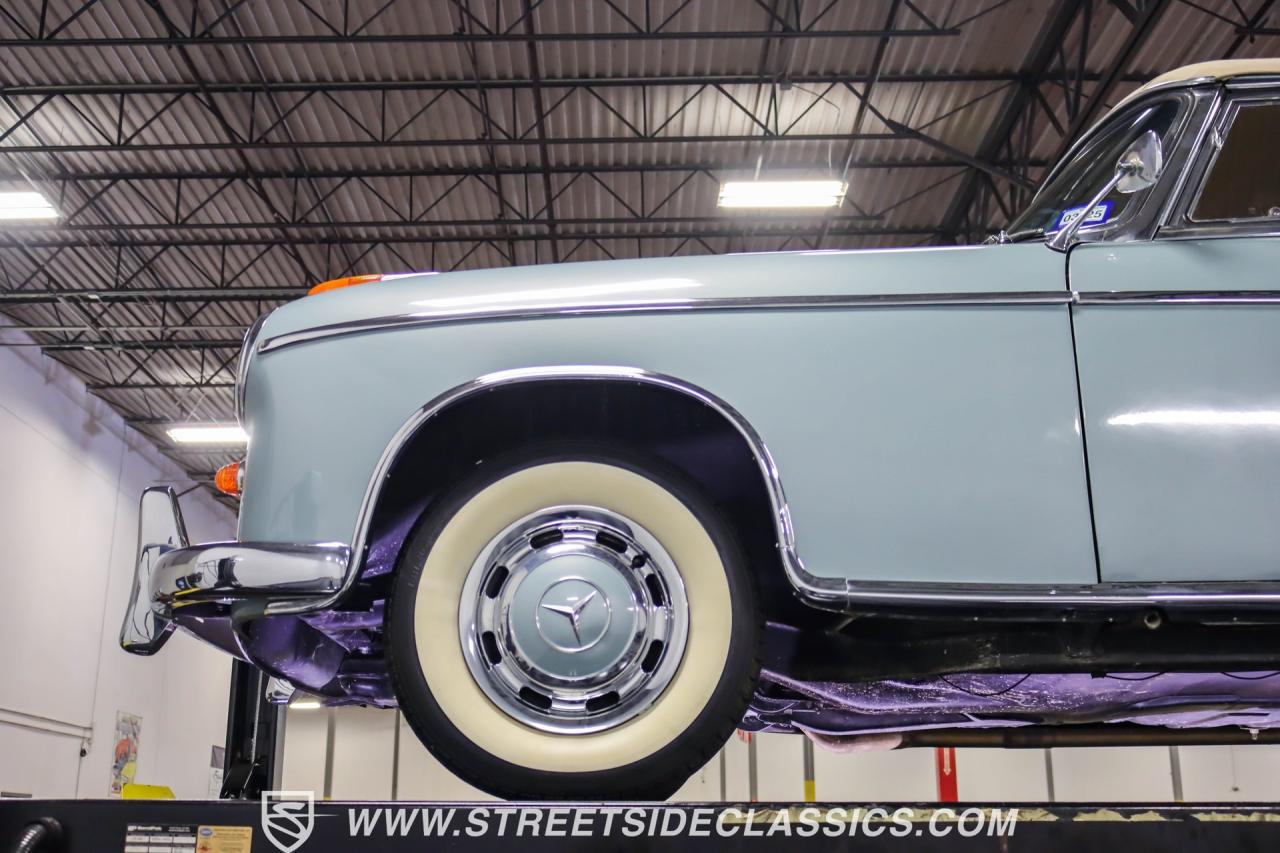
(171,573)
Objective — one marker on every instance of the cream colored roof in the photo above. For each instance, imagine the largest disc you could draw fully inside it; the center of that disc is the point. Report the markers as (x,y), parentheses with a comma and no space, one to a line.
(1222,69)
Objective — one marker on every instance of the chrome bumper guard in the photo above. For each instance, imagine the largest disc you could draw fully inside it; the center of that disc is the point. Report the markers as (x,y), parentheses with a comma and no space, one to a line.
(171,573)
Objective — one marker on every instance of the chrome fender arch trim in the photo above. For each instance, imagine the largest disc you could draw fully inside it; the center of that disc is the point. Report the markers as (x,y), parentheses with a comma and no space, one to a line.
(828,592)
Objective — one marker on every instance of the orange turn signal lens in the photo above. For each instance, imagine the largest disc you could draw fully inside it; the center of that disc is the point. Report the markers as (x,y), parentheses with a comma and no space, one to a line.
(336,283)
(227,480)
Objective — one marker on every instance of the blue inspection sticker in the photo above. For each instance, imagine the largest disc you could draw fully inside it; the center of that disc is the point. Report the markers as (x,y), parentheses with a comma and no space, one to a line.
(1100,214)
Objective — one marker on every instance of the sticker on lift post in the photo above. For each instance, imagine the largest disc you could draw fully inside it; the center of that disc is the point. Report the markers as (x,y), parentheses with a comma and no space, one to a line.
(224,839)
(1100,214)
(185,838)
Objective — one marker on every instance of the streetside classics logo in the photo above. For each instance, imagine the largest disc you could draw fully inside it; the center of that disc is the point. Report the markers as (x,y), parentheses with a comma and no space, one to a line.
(288,818)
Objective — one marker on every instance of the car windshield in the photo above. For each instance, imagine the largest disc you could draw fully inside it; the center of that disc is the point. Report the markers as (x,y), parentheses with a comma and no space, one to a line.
(1064,197)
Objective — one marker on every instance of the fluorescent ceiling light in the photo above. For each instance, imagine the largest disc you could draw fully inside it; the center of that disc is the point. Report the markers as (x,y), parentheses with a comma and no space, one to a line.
(305,705)
(25,205)
(782,193)
(208,434)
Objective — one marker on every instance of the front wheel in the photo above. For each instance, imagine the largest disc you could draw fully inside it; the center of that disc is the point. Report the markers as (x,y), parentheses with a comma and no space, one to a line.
(573,624)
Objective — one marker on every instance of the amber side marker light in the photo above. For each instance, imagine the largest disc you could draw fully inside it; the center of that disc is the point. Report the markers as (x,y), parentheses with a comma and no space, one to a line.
(227,480)
(338,283)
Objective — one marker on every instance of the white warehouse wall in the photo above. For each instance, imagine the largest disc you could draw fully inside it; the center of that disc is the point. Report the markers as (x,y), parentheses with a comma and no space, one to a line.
(73,472)
(364,766)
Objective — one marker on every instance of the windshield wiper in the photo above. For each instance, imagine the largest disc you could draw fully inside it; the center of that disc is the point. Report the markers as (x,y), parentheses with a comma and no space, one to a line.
(1002,237)
(1024,234)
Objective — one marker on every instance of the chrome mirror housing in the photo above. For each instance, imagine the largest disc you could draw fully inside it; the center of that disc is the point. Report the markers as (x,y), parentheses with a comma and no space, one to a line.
(1137,169)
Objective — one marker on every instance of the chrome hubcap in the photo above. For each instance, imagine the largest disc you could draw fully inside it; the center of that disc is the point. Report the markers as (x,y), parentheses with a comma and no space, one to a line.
(573,619)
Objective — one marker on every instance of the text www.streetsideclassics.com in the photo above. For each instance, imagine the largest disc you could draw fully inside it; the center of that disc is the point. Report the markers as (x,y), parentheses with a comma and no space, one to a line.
(697,822)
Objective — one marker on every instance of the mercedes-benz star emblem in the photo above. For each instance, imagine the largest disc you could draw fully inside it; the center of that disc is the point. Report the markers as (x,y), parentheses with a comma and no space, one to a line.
(573,611)
(583,610)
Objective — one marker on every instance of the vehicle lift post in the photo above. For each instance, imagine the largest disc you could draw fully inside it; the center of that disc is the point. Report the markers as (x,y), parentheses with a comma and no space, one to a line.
(255,736)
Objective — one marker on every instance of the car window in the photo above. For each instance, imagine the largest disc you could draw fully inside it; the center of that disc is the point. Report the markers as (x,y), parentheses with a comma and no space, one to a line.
(1064,197)
(1244,180)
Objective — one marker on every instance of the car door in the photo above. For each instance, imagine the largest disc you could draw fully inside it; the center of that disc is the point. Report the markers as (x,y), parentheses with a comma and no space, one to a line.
(1178,352)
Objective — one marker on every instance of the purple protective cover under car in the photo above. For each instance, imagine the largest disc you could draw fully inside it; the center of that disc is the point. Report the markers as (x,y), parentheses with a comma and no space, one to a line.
(1174,700)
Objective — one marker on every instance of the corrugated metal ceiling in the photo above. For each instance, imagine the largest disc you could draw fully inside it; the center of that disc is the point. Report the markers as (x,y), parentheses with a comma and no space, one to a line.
(247,144)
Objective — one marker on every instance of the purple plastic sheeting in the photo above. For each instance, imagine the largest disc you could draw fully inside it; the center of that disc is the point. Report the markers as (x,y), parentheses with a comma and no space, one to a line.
(333,621)
(384,550)
(1176,700)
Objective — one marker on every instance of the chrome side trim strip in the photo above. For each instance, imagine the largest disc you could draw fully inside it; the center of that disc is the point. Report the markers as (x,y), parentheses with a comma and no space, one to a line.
(759,303)
(888,595)
(1158,297)
(662,306)
(825,592)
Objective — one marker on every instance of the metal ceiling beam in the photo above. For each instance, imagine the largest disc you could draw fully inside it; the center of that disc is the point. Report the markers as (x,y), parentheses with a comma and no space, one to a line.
(540,128)
(864,96)
(96,242)
(950,150)
(160,421)
(271,174)
(485,142)
(501,142)
(162,328)
(158,386)
(1143,26)
(53,227)
(193,294)
(1040,58)
(1250,30)
(222,122)
(468,38)
(250,87)
(131,345)
(281,122)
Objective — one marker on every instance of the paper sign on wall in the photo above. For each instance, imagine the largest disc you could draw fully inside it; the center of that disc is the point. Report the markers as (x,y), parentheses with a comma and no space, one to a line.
(217,758)
(124,761)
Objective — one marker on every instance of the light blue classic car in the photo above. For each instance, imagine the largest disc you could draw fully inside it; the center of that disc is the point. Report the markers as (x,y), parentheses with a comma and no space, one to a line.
(579,522)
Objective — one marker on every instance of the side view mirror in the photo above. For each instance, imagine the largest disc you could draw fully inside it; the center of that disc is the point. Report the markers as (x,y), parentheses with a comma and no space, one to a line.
(1137,169)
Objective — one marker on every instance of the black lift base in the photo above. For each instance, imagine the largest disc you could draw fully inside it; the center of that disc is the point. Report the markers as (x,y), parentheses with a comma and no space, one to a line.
(113,826)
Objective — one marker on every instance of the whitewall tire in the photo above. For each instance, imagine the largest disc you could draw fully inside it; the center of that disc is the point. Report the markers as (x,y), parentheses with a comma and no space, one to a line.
(573,623)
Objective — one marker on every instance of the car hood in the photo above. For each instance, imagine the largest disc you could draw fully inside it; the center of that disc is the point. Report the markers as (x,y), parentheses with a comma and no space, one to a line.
(672,283)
